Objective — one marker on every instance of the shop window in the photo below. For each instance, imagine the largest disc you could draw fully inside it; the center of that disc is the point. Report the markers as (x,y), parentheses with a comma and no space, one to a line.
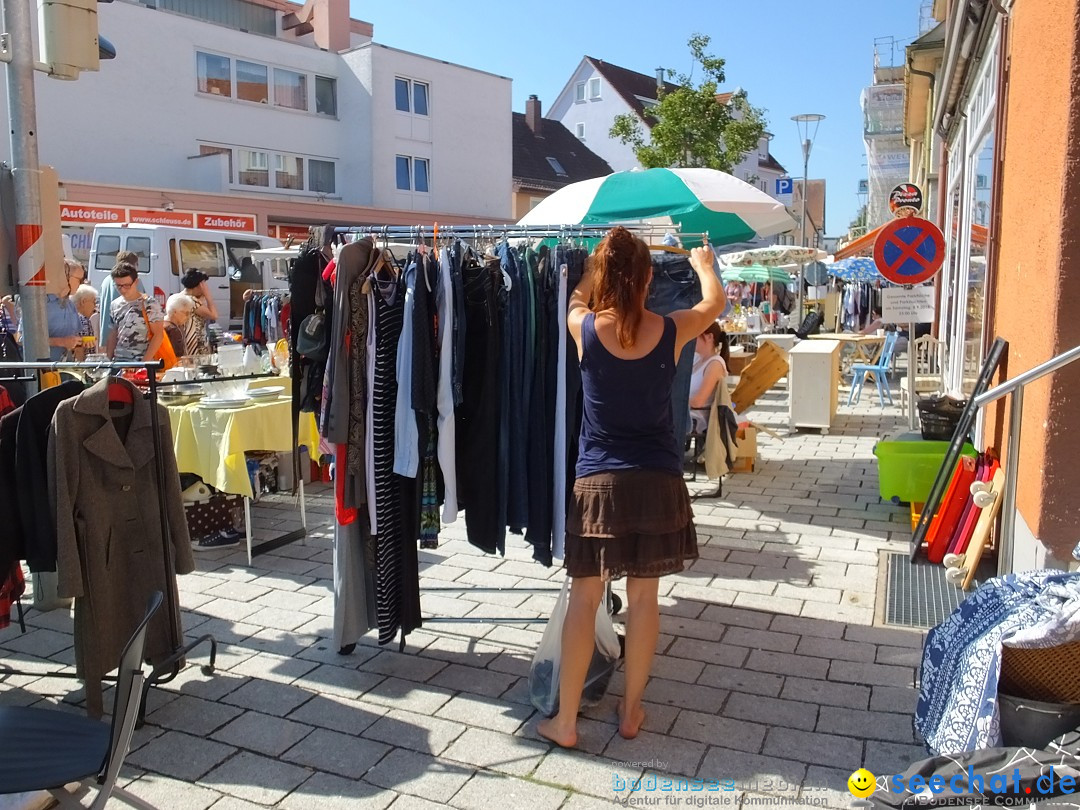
(290,89)
(215,74)
(321,176)
(325,95)
(251,82)
(975,295)
(254,168)
(208,257)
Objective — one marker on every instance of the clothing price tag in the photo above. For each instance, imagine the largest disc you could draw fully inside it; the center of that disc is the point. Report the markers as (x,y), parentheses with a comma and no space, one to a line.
(563,269)
(899,305)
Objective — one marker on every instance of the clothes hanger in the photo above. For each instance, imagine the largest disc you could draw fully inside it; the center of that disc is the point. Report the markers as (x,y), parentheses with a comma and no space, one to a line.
(120,393)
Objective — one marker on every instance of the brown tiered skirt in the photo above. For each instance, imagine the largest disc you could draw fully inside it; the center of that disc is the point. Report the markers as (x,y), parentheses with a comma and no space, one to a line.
(629,523)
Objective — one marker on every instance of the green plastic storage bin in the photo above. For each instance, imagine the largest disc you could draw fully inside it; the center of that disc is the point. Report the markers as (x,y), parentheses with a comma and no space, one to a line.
(908,465)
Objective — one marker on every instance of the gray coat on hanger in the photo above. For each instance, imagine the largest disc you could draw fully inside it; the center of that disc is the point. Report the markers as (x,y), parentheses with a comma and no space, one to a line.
(110,553)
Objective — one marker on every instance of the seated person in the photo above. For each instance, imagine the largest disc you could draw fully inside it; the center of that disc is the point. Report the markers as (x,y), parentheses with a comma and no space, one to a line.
(711,353)
(875,323)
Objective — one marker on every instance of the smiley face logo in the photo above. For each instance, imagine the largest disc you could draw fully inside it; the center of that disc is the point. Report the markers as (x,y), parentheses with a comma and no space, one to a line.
(862,783)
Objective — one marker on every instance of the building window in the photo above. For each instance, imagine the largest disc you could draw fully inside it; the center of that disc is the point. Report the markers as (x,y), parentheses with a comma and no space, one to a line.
(289,172)
(325,95)
(556,167)
(594,87)
(579,91)
(579,131)
(321,176)
(534,201)
(251,82)
(290,89)
(410,96)
(412,174)
(218,74)
(254,168)
(215,75)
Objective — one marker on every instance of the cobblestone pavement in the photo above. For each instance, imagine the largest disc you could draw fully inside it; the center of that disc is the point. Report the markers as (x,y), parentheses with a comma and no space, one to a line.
(771,671)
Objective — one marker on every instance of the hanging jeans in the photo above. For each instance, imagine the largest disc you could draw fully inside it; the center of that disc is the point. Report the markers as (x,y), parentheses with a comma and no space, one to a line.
(675,286)
(541,404)
(477,420)
(516,325)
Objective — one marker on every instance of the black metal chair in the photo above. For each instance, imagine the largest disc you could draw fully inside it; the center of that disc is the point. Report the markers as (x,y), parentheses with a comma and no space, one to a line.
(51,748)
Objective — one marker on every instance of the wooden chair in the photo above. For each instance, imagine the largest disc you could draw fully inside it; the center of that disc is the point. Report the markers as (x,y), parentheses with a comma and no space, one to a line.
(928,368)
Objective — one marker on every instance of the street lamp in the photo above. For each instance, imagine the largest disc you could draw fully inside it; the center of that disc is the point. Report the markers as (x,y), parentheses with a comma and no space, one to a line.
(807,124)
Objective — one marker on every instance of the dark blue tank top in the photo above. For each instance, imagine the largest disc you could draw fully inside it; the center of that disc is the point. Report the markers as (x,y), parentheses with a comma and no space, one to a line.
(627,421)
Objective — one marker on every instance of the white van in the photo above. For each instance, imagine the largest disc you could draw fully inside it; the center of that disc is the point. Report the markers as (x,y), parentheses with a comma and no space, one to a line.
(166,253)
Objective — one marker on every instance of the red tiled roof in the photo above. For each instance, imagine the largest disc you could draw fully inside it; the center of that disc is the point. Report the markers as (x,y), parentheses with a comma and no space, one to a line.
(630,85)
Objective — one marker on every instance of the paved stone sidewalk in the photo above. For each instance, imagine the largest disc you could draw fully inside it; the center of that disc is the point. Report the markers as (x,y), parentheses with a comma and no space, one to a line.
(770,670)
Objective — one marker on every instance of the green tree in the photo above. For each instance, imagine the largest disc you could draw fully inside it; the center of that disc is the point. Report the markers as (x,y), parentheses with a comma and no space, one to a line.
(857,226)
(691,129)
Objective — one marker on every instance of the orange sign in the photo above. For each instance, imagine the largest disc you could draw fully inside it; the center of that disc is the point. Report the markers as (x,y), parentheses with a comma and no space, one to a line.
(226,222)
(283,232)
(148,216)
(92,214)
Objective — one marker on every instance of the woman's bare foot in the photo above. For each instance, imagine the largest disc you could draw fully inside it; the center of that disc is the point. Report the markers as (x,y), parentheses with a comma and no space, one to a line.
(630,723)
(559,733)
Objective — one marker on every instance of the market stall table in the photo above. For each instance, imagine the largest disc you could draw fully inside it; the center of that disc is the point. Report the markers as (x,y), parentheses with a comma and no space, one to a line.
(865,348)
(211,443)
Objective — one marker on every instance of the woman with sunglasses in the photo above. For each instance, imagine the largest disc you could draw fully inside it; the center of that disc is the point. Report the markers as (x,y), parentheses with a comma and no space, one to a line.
(139,323)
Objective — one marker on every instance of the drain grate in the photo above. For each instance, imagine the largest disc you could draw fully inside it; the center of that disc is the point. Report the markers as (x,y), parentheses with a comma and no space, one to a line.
(917,593)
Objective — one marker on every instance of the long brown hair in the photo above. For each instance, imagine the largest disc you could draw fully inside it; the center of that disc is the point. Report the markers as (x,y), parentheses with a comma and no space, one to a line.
(721,343)
(622,268)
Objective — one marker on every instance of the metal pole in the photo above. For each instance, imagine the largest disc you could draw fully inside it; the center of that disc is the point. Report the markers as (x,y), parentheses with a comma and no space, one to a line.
(911,375)
(29,240)
(802,237)
(1012,472)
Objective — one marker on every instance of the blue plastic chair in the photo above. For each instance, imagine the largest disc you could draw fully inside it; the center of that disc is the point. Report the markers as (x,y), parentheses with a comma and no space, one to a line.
(880,370)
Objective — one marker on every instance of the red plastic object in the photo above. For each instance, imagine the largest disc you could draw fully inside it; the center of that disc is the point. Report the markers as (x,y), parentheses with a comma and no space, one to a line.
(947,518)
(967,526)
(120,393)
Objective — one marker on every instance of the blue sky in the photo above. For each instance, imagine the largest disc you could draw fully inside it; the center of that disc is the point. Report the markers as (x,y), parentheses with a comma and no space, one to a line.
(790,56)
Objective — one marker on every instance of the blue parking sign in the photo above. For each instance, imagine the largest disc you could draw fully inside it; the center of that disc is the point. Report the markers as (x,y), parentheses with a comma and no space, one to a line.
(784,186)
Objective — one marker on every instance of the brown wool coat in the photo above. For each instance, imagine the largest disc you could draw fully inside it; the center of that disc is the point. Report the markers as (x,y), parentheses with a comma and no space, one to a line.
(110,554)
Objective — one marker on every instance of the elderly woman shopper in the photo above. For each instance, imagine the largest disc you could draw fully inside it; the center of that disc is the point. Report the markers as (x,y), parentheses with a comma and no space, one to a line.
(62,319)
(178,311)
(138,322)
(85,300)
(629,515)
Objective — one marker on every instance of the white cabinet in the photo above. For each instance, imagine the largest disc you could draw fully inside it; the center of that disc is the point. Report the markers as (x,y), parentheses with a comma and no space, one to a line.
(813,383)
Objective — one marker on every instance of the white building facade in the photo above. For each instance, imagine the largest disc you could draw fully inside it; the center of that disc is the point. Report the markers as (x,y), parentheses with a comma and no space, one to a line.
(273,124)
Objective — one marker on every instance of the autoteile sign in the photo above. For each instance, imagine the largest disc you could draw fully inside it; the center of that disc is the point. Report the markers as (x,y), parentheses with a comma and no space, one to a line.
(909,250)
(906,200)
(88,214)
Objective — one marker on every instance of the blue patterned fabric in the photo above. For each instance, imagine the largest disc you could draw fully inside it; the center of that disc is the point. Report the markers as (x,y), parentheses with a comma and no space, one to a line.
(957,709)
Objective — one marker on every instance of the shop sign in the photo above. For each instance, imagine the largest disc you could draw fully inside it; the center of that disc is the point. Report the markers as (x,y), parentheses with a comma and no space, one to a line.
(914,305)
(92,214)
(299,233)
(148,216)
(909,250)
(226,222)
(906,200)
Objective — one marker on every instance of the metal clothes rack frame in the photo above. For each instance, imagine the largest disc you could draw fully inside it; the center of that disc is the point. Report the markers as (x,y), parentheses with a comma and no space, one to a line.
(169,668)
(418,233)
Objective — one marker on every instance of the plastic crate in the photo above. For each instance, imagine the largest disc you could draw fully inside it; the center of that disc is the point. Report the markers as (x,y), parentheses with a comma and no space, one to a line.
(908,465)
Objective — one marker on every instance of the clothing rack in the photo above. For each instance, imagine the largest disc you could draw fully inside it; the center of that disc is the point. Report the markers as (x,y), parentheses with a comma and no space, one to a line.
(168,669)
(436,231)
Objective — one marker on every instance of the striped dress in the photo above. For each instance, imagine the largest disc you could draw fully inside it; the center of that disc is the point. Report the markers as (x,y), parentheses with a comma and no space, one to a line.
(389,301)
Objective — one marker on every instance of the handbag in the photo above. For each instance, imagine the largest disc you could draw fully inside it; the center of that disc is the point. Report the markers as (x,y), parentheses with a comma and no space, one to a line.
(165,352)
(544,672)
(312,340)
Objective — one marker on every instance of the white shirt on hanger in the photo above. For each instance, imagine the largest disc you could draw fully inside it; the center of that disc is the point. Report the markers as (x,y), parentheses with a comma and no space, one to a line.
(446,450)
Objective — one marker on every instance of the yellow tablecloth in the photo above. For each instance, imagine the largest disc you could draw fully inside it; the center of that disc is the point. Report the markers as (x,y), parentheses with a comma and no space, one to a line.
(211,442)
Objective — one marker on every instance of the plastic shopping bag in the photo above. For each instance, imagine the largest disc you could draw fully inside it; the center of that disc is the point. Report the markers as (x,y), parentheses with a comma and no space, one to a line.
(544,673)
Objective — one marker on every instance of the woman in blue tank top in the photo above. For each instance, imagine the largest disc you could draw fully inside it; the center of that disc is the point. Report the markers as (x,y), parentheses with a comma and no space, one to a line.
(630,514)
